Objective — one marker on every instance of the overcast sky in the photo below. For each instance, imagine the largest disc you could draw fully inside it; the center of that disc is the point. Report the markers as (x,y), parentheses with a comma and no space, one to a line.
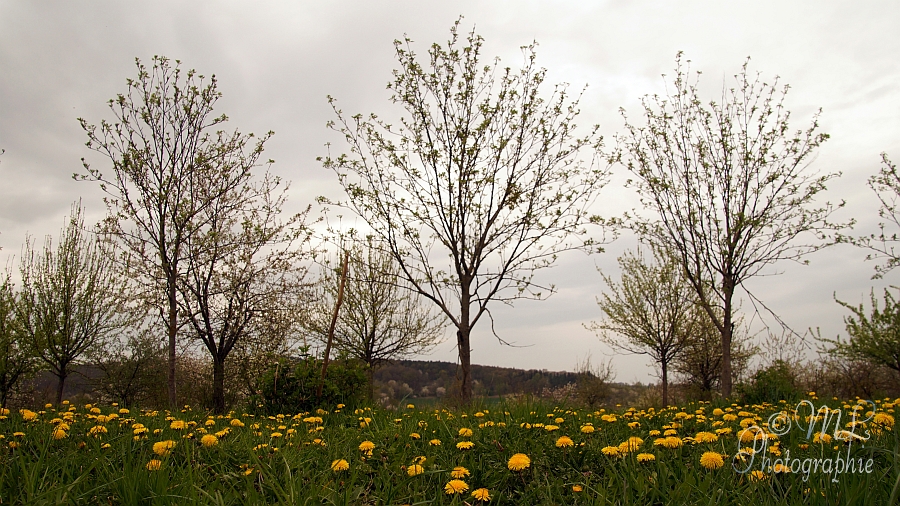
(277,61)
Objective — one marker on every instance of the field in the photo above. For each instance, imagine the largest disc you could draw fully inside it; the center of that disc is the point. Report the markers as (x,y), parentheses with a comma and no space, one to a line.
(520,453)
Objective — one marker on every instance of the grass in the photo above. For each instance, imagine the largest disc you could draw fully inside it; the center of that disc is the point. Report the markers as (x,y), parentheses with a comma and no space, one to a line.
(61,457)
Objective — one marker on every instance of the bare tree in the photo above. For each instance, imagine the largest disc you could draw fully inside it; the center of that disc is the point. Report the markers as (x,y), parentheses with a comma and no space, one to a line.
(479,187)
(169,164)
(730,189)
(381,318)
(16,358)
(241,267)
(72,298)
(650,311)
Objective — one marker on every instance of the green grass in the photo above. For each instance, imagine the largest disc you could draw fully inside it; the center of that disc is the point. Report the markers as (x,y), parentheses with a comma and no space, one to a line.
(250,465)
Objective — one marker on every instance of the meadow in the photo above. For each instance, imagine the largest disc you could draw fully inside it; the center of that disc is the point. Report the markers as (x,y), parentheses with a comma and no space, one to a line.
(514,453)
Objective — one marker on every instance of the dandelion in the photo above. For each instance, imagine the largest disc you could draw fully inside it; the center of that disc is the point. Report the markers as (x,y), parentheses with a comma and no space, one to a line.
(154,465)
(59,433)
(366,446)
(163,448)
(587,429)
(564,442)
(276,435)
(177,425)
(340,465)
(610,451)
(711,460)
(19,434)
(415,470)
(646,457)
(209,440)
(410,406)
(465,445)
(28,415)
(883,419)
(706,437)
(577,488)
(98,431)
(435,442)
(781,468)
(415,435)
(456,487)
(481,494)
(459,472)
(465,432)
(551,428)
(757,475)
(518,462)
(235,422)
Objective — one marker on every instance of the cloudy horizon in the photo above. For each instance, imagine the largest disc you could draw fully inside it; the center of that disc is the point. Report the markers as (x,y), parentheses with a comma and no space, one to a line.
(277,61)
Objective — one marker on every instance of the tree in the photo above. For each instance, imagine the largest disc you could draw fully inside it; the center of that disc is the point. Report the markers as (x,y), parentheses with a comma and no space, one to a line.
(700,365)
(240,268)
(72,298)
(651,311)
(169,165)
(381,318)
(481,185)
(16,359)
(730,189)
(875,335)
(132,366)
(886,185)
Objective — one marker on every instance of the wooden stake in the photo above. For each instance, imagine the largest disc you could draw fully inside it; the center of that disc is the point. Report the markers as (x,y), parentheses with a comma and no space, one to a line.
(334,315)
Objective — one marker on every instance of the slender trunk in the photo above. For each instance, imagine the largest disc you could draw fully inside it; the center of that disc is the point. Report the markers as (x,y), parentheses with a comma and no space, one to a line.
(334,316)
(665,383)
(218,396)
(462,344)
(371,376)
(727,334)
(173,330)
(60,385)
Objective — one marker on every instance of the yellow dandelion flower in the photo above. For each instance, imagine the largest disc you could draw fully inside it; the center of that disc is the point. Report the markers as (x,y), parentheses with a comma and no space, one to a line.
(177,425)
(28,415)
(518,462)
(235,422)
(883,419)
(551,428)
(163,448)
(340,465)
(456,487)
(706,437)
(564,442)
(481,494)
(209,440)
(729,417)
(610,451)
(781,468)
(415,470)
(587,429)
(154,465)
(435,442)
(712,460)
(757,475)
(577,488)
(465,432)
(59,433)
(465,445)
(459,472)
(366,446)
(646,457)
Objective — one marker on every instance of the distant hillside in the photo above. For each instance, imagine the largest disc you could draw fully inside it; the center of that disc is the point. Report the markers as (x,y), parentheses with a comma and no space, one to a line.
(424,378)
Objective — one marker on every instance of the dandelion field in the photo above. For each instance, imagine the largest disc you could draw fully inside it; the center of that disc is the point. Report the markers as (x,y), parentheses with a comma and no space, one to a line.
(518,453)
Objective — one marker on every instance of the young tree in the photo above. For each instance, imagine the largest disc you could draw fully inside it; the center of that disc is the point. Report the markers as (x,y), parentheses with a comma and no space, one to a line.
(72,298)
(169,164)
(241,268)
(651,311)
(16,358)
(875,336)
(381,318)
(886,185)
(480,186)
(133,367)
(730,189)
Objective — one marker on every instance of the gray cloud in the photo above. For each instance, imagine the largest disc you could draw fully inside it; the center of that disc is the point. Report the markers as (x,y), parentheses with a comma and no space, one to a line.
(277,61)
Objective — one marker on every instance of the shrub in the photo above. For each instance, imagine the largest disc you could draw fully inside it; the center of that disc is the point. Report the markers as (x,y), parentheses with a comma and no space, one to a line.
(772,384)
(290,386)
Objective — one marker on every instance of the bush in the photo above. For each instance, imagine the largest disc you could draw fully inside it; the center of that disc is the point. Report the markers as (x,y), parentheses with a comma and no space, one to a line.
(772,384)
(290,387)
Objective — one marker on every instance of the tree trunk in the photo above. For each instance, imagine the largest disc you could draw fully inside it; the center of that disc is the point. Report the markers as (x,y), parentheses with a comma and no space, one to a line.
(334,317)
(371,376)
(665,384)
(218,396)
(60,385)
(173,330)
(727,334)
(465,378)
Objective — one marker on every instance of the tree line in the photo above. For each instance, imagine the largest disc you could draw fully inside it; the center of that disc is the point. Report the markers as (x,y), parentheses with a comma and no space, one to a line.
(483,183)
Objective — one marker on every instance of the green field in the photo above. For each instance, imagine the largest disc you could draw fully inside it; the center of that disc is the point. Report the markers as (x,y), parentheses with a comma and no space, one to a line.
(681,455)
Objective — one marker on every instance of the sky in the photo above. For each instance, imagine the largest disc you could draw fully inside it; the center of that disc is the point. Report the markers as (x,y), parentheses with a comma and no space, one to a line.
(277,61)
